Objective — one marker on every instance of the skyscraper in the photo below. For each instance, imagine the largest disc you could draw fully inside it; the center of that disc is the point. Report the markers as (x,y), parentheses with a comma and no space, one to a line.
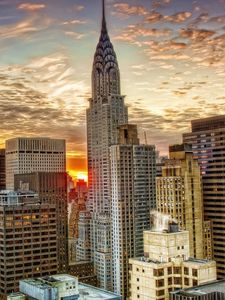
(179,194)
(208,144)
(27,155)
(133,171)
(28,239)
(2,169)
(52,189)
(106,111)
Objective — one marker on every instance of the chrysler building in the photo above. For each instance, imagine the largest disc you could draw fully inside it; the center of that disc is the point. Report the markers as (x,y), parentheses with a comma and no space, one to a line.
(105,113)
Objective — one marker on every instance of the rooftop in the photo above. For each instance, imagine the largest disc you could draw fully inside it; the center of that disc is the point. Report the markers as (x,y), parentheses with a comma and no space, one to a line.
(190,260)
(8,197)
(215,286)
(88,292)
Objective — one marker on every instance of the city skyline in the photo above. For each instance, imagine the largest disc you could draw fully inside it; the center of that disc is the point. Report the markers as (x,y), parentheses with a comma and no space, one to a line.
(175,75)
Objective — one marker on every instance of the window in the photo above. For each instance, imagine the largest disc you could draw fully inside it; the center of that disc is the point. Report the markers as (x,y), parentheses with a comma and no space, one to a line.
(194,272)
(186,281)
(186,271)
(177,270)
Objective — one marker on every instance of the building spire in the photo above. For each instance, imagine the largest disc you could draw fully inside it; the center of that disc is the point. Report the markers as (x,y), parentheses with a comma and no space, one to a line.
(104,27)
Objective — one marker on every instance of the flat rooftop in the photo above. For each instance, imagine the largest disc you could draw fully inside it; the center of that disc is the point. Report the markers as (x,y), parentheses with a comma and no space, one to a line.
(189,260)
(215,286)
(87,292)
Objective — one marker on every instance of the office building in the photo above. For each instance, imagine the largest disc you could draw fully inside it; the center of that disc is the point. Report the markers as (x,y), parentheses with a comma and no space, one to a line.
(52,189)
(133,171)
(106,111)
(208,291)
(166,265)
(83,247)
(28,155)
(179,194)
(208,144)
(2,170)
(27,239)
(58,287)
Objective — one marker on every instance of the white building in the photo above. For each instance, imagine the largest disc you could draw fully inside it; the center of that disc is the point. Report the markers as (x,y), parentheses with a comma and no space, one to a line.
(59,287)
(27,155)
(106,111)
(133,172)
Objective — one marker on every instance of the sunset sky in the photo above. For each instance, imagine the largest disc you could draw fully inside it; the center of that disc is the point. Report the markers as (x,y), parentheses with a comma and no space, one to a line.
(170,53)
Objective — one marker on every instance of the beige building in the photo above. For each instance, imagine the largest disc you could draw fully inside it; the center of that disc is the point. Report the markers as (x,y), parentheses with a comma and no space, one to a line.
(166,266)
(179,194)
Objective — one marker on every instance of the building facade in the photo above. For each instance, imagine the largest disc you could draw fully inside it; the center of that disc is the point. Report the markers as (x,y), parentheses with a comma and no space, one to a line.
(208,144)
(27,239)
(106,111)
(179,194)
(133,171)
(166,266)
(2,170)
(52,189)
(28,155)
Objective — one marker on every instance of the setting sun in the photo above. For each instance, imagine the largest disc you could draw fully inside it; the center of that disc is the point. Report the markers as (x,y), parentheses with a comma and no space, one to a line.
(78,175)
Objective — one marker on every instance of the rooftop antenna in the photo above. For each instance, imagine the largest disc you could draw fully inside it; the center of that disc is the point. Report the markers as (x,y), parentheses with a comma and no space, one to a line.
(145,136)
(103,16)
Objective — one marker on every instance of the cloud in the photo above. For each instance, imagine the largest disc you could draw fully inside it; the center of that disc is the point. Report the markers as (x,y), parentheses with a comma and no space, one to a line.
(41,93)
(124,9)
(31,6)
(180,17)
(75,35)
(196,34)
(25,27)
(135,34)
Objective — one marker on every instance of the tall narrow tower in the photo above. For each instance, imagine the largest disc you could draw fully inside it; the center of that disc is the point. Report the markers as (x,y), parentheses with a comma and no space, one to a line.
(106,111)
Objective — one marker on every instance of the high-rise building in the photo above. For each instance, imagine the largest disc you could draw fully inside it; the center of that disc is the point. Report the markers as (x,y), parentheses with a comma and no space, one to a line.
(27,155)
(133,171)
(179,194)
(28,239)
(166,265)
(83,247)
(106,111)
(2,169)
(208,144)
(51,188)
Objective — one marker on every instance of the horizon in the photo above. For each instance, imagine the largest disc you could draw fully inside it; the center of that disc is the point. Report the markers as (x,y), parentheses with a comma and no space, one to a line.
(170,55)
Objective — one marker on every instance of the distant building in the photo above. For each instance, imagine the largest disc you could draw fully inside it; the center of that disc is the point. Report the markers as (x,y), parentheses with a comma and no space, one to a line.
(209,291)
(166,266)
(51,188)
(208,144)
(60,287)
(2,170)
(133,171)
(28,155)
(159,163)
(28,239)
(179,194)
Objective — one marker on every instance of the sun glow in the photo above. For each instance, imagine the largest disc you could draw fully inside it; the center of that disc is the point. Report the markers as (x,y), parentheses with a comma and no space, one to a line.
(78,175)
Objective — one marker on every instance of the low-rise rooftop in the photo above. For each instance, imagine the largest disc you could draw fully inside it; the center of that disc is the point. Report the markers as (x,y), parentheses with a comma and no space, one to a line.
(215,286)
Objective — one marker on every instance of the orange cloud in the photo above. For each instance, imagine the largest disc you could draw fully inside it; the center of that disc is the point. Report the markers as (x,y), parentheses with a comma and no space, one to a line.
(31,6)
(126,9)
